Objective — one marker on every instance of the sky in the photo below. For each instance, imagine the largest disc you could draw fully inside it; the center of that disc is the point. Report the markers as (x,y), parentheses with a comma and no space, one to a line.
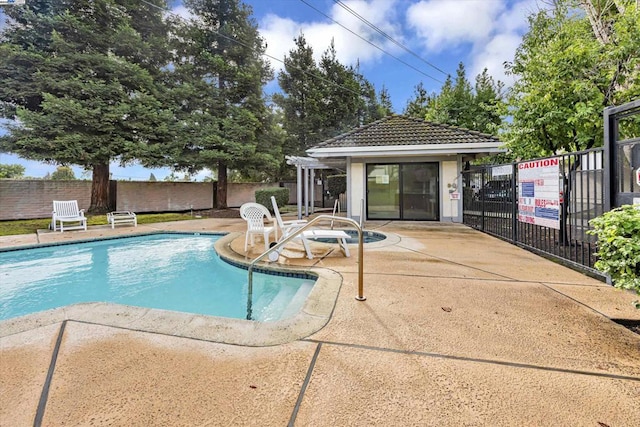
(422,41)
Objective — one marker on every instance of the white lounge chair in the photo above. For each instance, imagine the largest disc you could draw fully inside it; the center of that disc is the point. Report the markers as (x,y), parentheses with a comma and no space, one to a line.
(291,226)
(254,214)
(67,211)
(285,226)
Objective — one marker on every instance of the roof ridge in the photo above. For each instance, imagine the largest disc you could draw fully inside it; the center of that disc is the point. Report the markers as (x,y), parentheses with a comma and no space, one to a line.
(446,125)
(402,130)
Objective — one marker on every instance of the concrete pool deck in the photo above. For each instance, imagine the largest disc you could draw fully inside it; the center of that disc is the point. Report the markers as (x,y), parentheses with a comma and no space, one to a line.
(458,328)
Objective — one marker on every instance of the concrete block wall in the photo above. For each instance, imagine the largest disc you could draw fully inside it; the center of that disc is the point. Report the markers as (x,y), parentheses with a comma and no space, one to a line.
(30,199)
(142,196)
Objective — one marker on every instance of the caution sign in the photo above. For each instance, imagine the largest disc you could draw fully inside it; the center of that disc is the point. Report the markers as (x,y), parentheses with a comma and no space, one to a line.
(539,192)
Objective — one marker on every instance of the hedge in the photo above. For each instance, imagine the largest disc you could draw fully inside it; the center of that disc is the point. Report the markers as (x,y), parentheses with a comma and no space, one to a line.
(618,233)
(337,184)
(264,196)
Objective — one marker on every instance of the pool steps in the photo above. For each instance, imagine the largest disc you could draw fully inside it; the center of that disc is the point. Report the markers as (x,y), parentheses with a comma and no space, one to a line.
(269,310)
(298,300)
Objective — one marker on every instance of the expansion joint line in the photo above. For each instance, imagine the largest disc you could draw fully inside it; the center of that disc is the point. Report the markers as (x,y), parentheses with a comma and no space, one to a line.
(296,408)
(508,278)
(575,300)
(457,263)
(479,360)
(44,396)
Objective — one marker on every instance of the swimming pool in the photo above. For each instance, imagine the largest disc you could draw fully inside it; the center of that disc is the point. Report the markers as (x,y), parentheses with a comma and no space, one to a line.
(177,272)
(367,237)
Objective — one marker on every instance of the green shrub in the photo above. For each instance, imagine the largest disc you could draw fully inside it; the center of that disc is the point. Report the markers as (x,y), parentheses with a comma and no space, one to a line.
(337,184)
(264,196)
(618,233)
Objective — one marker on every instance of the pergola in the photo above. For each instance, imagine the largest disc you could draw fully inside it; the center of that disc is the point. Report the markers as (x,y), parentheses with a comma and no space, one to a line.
(306,167)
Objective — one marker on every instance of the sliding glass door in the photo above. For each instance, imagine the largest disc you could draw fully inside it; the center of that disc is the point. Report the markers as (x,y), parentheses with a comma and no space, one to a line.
(383,191)
(420,191)
(403,191)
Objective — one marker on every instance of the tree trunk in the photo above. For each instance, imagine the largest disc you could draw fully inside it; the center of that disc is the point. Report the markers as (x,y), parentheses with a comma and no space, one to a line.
(100,189)
(222,185)
(605,34)
(600,28)
(621,7)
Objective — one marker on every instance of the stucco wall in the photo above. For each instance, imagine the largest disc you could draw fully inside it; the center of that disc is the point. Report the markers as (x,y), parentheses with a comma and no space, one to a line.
(449,183)
(356,190)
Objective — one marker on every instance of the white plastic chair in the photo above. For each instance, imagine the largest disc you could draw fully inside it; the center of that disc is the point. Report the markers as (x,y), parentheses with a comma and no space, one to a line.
(254,214)
(67,211)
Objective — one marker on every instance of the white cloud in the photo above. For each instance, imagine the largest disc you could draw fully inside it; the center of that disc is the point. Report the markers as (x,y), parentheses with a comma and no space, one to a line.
(446,24)
(514,19)
(510,25)
(280,32)
(492,29)
(493,55)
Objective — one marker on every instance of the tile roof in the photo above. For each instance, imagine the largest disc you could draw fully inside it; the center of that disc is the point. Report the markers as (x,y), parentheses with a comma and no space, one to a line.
(401,130)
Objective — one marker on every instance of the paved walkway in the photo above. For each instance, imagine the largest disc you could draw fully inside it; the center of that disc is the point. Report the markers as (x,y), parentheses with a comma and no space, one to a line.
(458,328)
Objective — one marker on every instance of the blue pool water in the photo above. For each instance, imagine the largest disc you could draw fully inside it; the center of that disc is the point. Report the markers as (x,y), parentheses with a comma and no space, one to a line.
(176,272)
(367,237)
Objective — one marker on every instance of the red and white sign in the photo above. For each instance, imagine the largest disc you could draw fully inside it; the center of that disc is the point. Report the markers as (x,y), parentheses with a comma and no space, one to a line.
(638,176)
(539,196)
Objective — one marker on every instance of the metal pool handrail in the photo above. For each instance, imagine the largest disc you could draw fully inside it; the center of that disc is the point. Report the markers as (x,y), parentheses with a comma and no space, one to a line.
(295,234)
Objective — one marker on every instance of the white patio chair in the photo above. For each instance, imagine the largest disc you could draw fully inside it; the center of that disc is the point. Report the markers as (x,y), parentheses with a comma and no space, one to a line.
(291,226)
(286,226)
(254,214)
(67,211)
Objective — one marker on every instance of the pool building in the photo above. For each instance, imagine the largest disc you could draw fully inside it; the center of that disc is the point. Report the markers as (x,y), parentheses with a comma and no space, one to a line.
(400,168)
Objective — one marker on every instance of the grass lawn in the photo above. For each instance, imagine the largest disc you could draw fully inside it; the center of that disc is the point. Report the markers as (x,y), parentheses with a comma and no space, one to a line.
(28,226)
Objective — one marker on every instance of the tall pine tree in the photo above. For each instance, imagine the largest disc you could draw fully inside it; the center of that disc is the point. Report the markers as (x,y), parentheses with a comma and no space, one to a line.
(78,76)
(218,74)
(479,108)
(322,100)
(341,95)
(302,100)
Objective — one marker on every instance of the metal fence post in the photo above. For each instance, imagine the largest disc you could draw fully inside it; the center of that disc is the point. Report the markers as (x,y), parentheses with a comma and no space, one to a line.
(514,203)
(483,183)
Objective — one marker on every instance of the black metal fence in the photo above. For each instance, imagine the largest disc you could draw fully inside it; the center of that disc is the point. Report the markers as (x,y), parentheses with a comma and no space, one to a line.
(622,149)
(493,202)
